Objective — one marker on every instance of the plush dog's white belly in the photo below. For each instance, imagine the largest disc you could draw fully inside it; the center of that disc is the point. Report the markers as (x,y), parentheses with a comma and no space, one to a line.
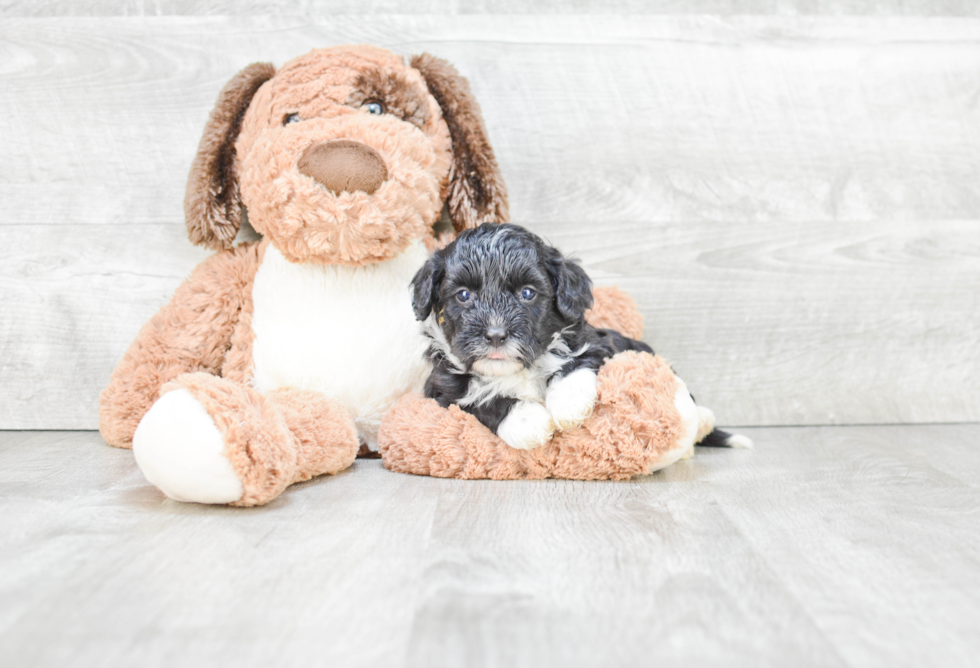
(348,332)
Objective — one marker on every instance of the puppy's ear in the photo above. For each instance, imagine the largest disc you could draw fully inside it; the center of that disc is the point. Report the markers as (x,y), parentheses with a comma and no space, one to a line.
(425,286)
(573,287)
(212,206)
(477,193)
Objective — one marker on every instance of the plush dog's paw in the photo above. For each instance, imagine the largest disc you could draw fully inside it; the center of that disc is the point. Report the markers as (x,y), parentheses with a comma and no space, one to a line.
(570,399)
(180,450)
(527,426)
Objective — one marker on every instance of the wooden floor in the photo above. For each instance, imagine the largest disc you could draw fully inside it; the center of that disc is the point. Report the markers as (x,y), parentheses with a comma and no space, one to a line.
(829,546)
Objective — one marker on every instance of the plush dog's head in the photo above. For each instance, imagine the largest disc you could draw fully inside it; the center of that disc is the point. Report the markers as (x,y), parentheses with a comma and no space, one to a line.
(496,297)
(344,155)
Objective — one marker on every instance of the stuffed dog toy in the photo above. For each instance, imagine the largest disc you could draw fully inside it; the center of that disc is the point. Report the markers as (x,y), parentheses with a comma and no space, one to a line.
(276,361)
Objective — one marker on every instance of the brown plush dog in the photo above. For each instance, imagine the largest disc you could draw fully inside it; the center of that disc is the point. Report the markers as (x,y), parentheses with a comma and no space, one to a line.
(276,360)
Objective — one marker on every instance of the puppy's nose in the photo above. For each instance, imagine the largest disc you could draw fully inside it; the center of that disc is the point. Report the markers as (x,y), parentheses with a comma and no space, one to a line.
(496,335)
(344,166)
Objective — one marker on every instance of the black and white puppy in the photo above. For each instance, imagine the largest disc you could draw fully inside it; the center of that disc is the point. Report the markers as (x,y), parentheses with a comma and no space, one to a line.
(505,313)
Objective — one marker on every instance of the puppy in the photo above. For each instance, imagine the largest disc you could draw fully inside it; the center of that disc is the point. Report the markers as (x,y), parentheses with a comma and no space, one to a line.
(505,315)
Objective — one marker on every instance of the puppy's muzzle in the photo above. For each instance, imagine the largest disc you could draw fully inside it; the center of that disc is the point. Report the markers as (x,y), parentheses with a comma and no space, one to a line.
(344,166)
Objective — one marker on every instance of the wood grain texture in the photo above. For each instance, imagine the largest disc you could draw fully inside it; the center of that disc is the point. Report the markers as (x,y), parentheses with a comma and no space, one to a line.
(866,488)
(835,546)
(72,303)
(367,8)
(782,325)
(792,201)
(620,119)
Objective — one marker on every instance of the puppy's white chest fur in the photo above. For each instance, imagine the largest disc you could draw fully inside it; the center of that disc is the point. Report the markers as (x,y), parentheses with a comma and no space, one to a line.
(525,385)
(348,332)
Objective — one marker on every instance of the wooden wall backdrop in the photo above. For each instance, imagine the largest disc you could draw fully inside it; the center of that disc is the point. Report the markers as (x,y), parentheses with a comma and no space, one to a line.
(791,190)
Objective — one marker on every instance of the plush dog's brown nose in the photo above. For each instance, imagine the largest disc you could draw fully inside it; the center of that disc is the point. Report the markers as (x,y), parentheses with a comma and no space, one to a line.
(344,166)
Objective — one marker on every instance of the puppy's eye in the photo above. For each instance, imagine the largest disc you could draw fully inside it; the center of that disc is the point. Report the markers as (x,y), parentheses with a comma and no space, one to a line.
(464,296)
(373,107)
(527,294)
(291,118)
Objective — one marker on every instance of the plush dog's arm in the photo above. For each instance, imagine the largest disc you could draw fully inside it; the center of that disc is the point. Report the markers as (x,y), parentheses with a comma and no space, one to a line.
(643,420)
(193,332)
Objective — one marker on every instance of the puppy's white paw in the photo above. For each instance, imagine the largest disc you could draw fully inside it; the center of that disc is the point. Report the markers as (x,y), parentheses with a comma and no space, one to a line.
(527,426)
(570,399)
(180,450)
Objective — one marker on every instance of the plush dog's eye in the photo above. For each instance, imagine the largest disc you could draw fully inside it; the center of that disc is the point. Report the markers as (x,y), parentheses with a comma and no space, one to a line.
(464,296)
(373,107)
(291,118)
(527,294)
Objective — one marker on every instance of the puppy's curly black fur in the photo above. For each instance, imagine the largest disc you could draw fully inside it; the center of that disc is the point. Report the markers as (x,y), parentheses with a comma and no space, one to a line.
(505,313)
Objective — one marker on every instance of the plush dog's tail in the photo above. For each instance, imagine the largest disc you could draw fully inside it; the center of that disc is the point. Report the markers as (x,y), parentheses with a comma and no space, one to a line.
(722,439)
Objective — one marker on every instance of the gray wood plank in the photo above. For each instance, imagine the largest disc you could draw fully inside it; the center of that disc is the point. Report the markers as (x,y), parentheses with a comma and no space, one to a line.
(823,546)
(596,120)
(874,563)
(106,572)
(587,574)
(73,300)
(42,8)
(782,325)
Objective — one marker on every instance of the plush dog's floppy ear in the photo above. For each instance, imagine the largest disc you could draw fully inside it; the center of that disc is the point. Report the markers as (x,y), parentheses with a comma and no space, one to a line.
(573,287)
(477,193)
(425,286)
(212,206)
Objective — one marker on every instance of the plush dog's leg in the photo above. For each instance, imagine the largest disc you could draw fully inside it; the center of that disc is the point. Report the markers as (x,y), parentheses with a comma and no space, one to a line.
(643,420)
(326,437)
(209,440)
(419,436)
(191,333)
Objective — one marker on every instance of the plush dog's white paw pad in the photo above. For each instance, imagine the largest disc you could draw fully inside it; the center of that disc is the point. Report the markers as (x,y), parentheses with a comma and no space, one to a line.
(527,426)
(180,450)
(570,399)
